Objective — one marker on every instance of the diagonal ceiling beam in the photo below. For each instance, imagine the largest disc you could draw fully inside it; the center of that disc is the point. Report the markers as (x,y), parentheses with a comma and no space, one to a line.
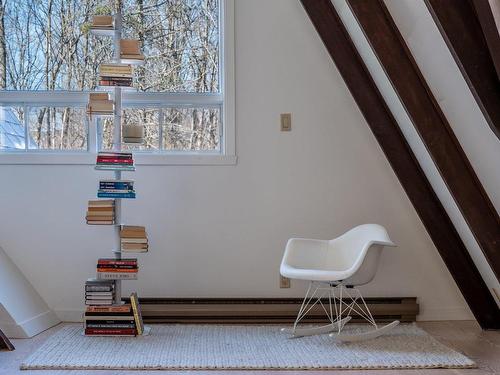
(400,156)
(431,124)
(461,30)
(488,13)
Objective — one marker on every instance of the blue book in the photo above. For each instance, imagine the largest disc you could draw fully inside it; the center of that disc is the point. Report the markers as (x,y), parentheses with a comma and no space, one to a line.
(113,167)
(116,185)
(103,194)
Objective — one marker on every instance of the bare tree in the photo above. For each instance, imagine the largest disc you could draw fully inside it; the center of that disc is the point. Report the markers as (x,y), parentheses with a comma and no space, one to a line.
(47,45)
(3,48)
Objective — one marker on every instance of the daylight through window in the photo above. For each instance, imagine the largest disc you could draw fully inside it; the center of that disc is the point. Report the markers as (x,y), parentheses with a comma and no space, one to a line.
(49,62)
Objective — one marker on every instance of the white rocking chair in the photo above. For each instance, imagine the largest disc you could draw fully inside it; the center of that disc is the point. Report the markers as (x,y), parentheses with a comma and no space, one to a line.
(334,269)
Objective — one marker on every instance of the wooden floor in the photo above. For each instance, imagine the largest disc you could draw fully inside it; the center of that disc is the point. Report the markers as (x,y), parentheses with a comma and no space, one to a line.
(482,346)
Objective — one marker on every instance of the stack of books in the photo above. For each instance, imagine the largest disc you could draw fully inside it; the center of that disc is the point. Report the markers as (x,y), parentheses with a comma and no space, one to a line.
(110,321)
(101,212)
(115,160)
(130,50)
(116,189)
(115,75)
(133,133)
(117,320)
(133,239)
(100,104)
(117,269)
(99,292)
(102,23)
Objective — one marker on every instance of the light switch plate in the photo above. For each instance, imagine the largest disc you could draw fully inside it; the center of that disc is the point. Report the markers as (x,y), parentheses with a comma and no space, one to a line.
(284,282)
(286,122)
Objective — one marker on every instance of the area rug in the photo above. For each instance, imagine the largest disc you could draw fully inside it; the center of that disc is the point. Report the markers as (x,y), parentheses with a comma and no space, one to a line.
(206,347)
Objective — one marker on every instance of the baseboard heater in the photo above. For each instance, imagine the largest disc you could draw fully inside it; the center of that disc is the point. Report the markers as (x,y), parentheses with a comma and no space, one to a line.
(262,310)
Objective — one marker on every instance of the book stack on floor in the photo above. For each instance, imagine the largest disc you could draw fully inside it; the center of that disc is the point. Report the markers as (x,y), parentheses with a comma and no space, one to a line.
(115,161)
(133,239)
(99,292)
(130,49)
(117,320)
(100,105)
(104,23)
(101,212)
(116,189)
(117,269)
(115,75)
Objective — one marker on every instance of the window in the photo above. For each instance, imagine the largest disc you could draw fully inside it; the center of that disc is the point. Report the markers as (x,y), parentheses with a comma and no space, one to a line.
(182,97)
(57,128)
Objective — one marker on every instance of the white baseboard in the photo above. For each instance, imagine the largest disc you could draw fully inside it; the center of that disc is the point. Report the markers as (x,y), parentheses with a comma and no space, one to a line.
(70,316)
(31,327)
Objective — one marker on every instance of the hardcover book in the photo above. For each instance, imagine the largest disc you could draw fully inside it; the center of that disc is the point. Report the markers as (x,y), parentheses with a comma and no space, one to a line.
(110,309)
(117,275)
(102,203)
(130,240)
(136,308)
(110,332)
(104,194)
(126,261)
(115,319)
(102,22)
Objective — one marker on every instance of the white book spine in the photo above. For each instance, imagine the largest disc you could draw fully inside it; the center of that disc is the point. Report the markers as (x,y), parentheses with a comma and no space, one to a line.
(117,276)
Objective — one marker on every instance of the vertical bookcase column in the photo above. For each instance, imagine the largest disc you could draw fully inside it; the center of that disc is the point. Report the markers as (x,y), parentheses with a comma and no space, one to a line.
(117,146)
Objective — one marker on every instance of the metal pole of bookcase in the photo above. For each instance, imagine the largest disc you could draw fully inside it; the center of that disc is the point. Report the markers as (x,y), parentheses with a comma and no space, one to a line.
(117,145)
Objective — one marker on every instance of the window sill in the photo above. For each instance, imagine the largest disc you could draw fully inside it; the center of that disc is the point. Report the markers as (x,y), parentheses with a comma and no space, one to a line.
(75,158)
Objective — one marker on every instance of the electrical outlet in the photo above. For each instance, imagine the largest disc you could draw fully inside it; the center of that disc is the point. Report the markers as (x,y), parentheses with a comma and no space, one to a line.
(286,122)
(284,282)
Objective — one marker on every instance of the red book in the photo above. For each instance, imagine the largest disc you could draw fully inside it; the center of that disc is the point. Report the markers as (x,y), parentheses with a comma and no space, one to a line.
(118,270)
(115,331)
(115,83)
(115,161)
(117,157)
(123,262)
(108,309)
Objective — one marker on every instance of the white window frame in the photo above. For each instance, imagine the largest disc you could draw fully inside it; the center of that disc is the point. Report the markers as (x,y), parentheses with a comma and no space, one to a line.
(224,100)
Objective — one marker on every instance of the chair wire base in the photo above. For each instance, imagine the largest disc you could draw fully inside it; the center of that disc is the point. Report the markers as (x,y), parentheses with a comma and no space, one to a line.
(342,302)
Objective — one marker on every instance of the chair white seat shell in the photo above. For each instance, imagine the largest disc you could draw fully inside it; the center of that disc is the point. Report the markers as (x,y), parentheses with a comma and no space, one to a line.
(334,269)
(352,257)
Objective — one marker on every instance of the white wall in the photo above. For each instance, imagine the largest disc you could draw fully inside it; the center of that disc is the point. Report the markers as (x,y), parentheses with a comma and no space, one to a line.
(220,231)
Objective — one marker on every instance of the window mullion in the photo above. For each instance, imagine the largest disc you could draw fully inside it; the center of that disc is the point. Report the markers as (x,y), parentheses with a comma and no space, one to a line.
(160,130)
(92,132)
(26,128)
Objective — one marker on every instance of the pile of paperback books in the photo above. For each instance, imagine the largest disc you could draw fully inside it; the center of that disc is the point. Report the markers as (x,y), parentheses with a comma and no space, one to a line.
(115,161)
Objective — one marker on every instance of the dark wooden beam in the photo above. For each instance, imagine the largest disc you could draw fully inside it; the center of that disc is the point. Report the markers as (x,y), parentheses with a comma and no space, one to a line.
(460,28)
(5,342)
(431,124)
(488,13)
(406,167)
